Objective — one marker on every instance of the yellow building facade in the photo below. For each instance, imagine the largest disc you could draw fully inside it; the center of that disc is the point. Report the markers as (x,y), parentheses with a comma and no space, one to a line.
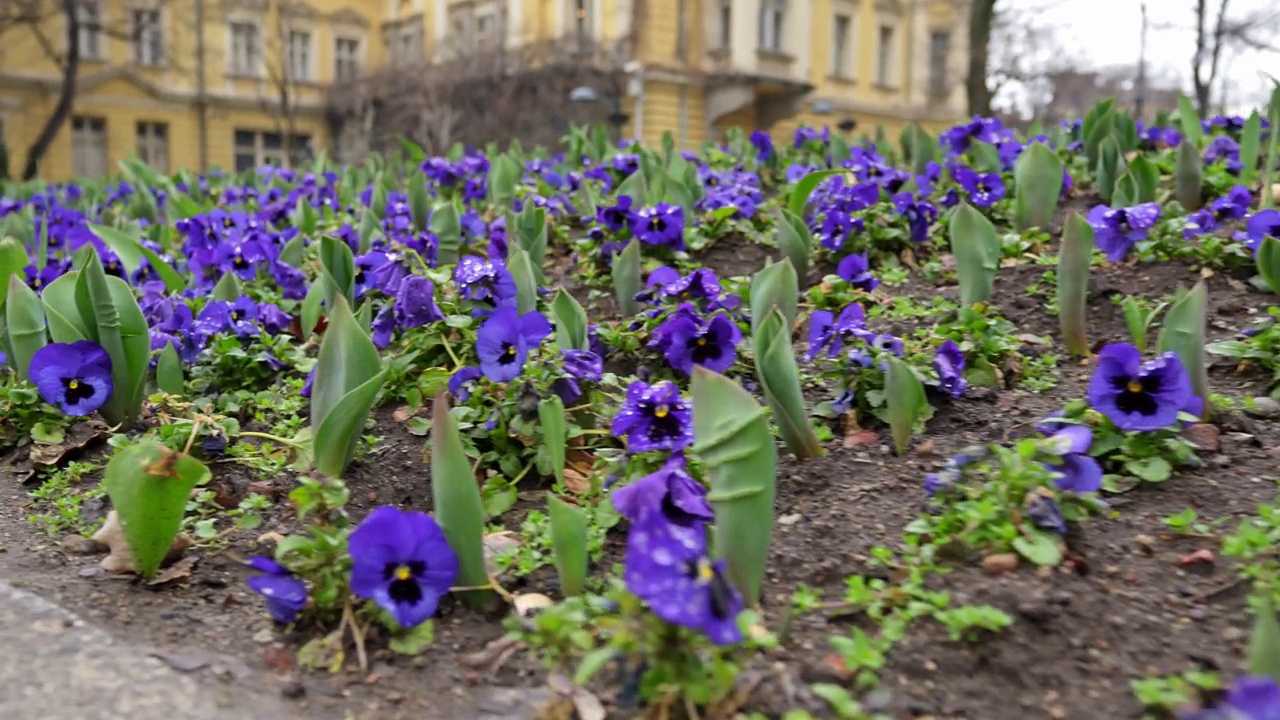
(229,84)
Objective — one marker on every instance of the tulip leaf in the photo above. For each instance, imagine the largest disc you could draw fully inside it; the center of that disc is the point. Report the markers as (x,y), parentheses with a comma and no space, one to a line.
(1189,175)
(627,280)
(1264,645)
(775,286)
(129,248)
(447,226)
(503,176)
(1268,195)
(116,323)
(1037,177)
(378,202)
(799,198)
(530,232)
(456,499)
(795,241)
(1250,144)
(554,433)
(349,374)
(1125,193)
(293,251)
(986,157)
(370,228)
(1109,167)
(520,265)
(149,486)
(1189,122)
(977,251)
(571,322)
(905,402)
(24,325)
(780,379)
(227,289)
(635,188)
(169,371)
(1073,283)
(1269,263)
(1146,176)
(66,323)
(339,269)
(568,544)
(733,441)
(924,150)
(303,217)
(1183,332)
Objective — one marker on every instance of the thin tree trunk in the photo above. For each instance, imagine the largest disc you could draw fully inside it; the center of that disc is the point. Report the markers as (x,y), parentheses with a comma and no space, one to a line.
(66,97)
(981,15)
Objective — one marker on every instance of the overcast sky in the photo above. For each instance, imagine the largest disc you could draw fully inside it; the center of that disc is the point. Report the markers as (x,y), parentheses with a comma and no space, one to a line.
(1106,32)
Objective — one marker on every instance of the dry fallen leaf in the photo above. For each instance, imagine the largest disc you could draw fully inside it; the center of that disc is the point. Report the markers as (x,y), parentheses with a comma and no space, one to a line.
(1204,436)
(527,604)
(1203,556)
(860,436)
(575,482)
(77,437)
(175,573)
(499,543)
(1000,563)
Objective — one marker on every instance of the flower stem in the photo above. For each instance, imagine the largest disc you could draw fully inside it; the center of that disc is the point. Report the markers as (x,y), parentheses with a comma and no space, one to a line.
(357,634)
(195,430)
(268,436)
(444,340)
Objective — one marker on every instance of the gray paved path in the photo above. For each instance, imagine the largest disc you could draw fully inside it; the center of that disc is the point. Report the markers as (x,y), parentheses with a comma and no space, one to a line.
(54,666)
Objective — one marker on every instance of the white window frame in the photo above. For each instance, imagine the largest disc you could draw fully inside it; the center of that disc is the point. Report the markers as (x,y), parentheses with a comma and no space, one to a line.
(152,144)
(404,42)
(773,26)
(353,61)
(148,44)
(245,141)
(300,54)
(842,46)
(89,146)
(887,54)
(250,63)
(91,37)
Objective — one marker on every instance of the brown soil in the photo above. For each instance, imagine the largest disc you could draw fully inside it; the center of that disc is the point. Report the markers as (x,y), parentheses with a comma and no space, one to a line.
(1076,643)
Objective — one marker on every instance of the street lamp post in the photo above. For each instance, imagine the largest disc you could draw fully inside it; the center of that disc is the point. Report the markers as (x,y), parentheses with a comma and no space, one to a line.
(584,94)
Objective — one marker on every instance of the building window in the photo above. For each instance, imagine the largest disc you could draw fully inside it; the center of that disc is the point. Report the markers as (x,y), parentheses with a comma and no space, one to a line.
(246,52)
(724,25)
(89,146)
(885,57)
(254,148)
(840,47)
(346,58)
(771,25)
(582,31)
(153,145)
(488,29)
(89,15)
(460,29)
(148,38)
(406,43)
(299,55)
(939,59)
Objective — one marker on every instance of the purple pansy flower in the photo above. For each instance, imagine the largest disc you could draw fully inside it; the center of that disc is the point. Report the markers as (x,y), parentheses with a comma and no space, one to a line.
(1248,698)
(415,304)
(286,595)
(461,382)
(669,494)
(485,281)
(856,270)
(402,561)
(690,341)
(505,339)
(1262,225)
(617,216)
(1077,471)
(1140,396)
(667,567)
(76,377)
(654,417)
(1116,230)
(984,189)
(661,224)
(919,215)
(831,333)
(948,362)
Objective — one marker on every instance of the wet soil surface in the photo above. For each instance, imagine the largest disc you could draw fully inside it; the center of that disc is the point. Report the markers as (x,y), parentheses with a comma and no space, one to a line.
(1079,636)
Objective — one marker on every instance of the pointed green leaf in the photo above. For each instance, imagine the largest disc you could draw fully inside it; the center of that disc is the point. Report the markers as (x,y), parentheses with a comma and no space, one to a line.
(1269,263)
(627,280)
(1125,193)
(1038,182)
(169,371)
(1189,122)
(733,441)
(571,322)
(906,402)
(66,323)
(521,268)
(568,544)
(447,226)
(795,241)
(977,251)
(227,288)
(24,325)
(635,188)
(339,267)
(774,286)
(1109,168)
(1073,283)
(293,251)
(554,433)
(780,380)
(1250,144)
(1189,176)
(1264,645)
(1147,177)
(313,307)
(129,248)
(503,176)
(348,376)
(456,499)
(149,486)
(1183,332)
(799,198)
